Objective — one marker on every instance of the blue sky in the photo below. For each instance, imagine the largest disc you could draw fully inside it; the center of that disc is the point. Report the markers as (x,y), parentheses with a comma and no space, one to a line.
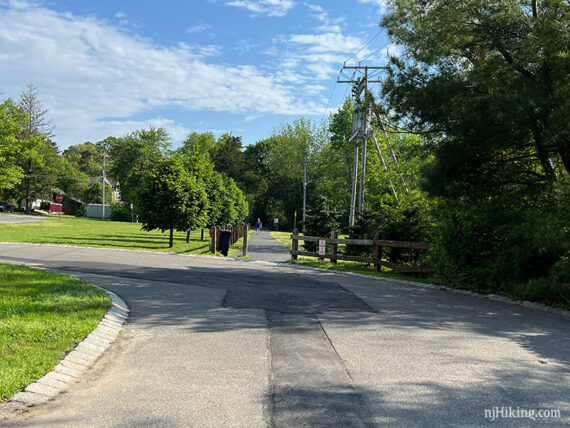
(107,68)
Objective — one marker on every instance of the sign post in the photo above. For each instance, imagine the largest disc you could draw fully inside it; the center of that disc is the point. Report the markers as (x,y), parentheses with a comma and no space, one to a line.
(59,199)
(322,247)
(276,222)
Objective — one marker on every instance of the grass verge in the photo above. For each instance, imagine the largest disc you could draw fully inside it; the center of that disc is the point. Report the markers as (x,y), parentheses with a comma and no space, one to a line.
(345,266)
(43,315)
(107,234)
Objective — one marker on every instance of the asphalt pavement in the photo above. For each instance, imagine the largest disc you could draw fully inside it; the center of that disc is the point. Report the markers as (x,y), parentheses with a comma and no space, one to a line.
(214,342)
(19,218)
(263,247)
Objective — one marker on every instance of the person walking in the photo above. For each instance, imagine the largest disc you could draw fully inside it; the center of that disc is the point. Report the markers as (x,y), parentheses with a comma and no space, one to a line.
(258,225)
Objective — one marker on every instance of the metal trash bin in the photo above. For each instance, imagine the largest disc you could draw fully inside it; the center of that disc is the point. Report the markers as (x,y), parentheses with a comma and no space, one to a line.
(224,243)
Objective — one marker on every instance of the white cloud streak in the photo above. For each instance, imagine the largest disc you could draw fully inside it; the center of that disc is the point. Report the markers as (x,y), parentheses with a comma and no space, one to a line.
(95,78)
(277,8)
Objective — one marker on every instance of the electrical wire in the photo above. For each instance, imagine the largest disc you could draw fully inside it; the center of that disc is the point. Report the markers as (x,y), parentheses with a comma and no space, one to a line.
(367,43)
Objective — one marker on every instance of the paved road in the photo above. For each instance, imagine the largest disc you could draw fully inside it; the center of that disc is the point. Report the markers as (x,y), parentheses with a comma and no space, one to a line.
(264,247)
(214,342)
(15,218)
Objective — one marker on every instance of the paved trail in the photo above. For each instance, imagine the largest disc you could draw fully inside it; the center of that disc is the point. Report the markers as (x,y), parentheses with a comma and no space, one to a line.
(214,342)
(15,218)
(264,247)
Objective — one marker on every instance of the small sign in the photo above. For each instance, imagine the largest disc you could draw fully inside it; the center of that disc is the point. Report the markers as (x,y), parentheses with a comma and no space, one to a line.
(59,198)
(276,220)
(131,206)
(322,247)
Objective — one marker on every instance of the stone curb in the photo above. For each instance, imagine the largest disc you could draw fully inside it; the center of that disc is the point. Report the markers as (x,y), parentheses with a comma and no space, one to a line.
(80,359)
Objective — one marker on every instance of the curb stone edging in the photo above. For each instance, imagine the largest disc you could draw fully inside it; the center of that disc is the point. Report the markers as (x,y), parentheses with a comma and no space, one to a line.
(80,359)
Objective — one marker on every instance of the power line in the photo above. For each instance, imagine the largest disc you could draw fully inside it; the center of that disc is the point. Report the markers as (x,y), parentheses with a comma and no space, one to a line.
(367,43)
(330,98)
(373,53)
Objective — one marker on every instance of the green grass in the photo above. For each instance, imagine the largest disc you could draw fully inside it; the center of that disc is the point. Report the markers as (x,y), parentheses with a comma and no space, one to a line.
(345,266)
(43,315)
(96,233)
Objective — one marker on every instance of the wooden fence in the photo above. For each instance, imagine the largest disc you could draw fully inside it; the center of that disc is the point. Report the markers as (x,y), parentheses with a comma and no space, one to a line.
(238,232)
(376,243)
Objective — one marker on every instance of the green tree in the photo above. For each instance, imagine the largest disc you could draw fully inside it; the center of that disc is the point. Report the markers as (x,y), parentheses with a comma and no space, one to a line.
(38,154)
(93,194)
(131,156)
(488,79)
(322,219)
(228,157)
(487,83)
(171,198)
(85,158)
(12,120)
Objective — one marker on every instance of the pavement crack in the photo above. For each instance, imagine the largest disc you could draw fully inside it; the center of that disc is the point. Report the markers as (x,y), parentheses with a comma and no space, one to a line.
(333,347)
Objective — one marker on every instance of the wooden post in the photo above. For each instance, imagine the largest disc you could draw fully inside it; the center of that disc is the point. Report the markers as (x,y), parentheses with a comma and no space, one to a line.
(213,240)
(334,247)
(245,229)
(377,255)
(294,245)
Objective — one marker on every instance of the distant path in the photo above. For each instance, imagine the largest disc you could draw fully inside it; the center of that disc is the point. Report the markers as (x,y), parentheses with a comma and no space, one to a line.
(15,218)
(264,247)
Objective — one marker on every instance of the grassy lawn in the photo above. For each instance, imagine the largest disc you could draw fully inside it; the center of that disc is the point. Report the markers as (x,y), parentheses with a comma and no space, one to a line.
(43,315)
(344,266)
(96,233)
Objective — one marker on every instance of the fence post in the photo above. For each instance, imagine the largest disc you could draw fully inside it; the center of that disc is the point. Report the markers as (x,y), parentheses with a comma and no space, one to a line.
(294,245)
(213,240)
(334,247)
(245,229)
(377,255)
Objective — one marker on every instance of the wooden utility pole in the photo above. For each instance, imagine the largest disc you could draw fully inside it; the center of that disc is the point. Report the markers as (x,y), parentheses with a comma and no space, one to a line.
(304,186)
(361,132)
(103,191)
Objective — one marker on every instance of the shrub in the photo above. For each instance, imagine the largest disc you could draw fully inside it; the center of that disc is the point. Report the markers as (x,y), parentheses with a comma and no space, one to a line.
(321,220)
(121,213)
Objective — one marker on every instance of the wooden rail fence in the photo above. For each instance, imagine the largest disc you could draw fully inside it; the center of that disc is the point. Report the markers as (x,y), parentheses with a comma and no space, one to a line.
(238,232)
(376,243)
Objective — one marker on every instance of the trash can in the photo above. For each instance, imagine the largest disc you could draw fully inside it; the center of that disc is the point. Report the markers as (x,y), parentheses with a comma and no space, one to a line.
(224,243)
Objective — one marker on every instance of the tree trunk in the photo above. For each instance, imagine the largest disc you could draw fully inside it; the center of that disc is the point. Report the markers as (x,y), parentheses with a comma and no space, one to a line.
(28,184)
(564,152)
(188,237)
(171,244)
(543,155)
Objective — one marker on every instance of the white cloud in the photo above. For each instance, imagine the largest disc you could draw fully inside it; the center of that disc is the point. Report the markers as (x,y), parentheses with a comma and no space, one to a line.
(327,42)
(328,24)
(382,4)
(278,8)
(93,76)
(198,28)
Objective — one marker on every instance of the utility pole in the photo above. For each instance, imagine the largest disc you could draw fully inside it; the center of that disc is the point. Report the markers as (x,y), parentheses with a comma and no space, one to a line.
(103,191)
(304,187)
(361,132)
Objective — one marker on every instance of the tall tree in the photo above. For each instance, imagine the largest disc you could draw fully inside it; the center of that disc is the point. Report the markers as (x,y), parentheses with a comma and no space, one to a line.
(131,156)
(489,79)
(12,120)
(171,198)
(37,123)
(84,157)
(39,153)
